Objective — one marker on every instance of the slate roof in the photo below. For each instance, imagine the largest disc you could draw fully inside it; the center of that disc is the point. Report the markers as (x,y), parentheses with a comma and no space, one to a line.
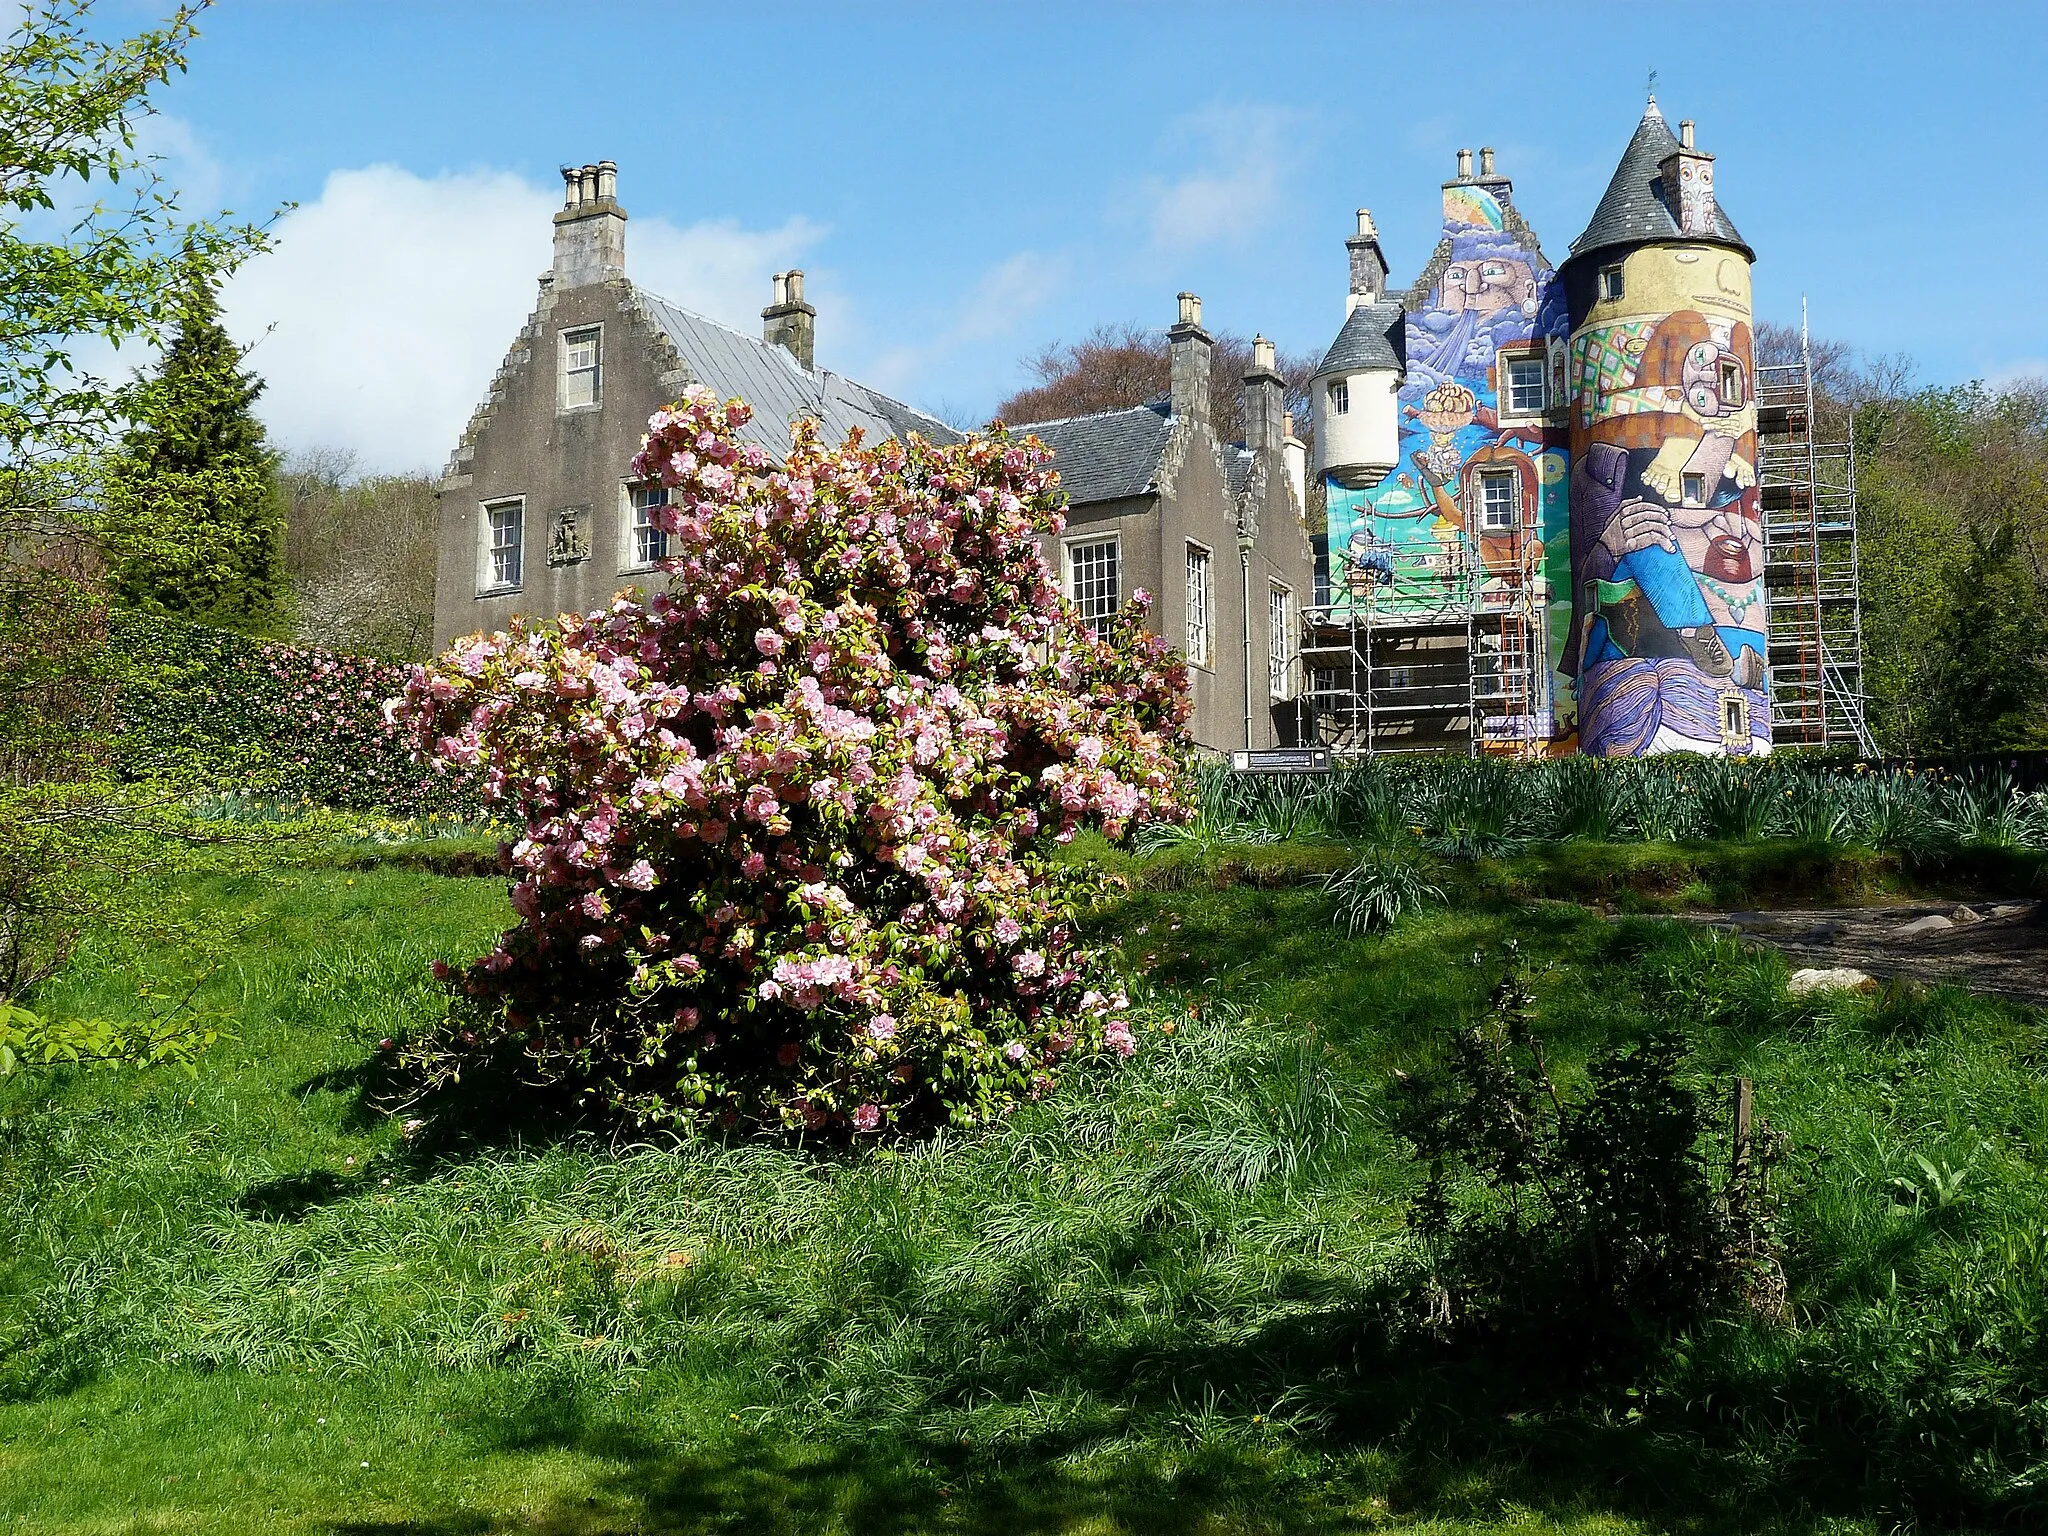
(1631,211)
(1108,455)
(771,381)
(1374,336)
(1237,468)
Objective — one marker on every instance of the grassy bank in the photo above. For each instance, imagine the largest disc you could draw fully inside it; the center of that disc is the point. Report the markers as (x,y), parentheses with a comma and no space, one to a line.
(1154,1303)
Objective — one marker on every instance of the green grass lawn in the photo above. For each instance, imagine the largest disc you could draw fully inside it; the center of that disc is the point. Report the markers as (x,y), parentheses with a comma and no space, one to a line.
(250,1301)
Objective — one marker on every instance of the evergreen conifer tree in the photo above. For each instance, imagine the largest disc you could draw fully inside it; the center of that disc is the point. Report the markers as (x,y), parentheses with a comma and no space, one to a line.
(195,484)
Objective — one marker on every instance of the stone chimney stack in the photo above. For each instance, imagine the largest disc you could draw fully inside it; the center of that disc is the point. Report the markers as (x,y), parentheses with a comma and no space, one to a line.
(1190,348)
(1368,264)
(1265,401)
(790,323)
(590,230)
(1686,177)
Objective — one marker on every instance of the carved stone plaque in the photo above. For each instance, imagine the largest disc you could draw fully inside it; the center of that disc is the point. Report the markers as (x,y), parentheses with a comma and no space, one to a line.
(568,535)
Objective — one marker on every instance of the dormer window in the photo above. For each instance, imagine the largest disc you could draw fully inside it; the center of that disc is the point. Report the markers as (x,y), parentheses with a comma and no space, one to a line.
(1610,282)
(1340,396)
(582,364)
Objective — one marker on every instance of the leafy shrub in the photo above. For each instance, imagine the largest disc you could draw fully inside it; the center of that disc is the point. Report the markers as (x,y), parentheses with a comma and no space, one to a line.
(788,830)
(1578,1232)
(213,710)
(1385,883)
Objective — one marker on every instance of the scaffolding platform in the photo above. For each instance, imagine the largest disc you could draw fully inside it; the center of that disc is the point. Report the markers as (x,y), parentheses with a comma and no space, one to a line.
(1426,651)
(1807,496)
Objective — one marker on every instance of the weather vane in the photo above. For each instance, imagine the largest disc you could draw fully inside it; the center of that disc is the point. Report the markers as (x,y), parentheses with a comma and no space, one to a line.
(1653,84)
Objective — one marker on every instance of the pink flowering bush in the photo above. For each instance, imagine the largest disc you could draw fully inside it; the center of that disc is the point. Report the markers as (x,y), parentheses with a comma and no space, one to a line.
(789,827)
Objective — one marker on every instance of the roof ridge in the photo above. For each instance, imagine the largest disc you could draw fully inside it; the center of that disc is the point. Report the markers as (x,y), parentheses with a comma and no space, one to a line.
(1120,410)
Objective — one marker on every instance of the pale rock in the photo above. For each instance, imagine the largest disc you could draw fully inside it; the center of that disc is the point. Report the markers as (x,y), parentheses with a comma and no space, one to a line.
(1967,915)
(1921,926)
(1835,978)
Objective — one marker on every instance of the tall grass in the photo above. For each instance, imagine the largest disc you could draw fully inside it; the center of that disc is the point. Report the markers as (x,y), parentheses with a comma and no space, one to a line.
(1487,807)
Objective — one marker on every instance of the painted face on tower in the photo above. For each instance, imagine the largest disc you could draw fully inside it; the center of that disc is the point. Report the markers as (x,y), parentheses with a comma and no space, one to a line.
(1487,285)
(1711,379)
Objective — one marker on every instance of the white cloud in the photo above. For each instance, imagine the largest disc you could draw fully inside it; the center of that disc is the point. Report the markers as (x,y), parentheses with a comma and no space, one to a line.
(1001,301)
(389,301)
(1237,164)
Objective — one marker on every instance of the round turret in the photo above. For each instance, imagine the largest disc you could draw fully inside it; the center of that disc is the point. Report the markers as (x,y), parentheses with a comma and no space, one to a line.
(1668,639)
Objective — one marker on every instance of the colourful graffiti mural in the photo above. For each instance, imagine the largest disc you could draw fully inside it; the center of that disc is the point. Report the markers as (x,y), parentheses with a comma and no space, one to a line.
(1667,634)
(1475,513)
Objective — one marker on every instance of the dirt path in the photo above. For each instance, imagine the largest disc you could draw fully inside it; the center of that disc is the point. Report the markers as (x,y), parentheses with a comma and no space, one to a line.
(1995,947)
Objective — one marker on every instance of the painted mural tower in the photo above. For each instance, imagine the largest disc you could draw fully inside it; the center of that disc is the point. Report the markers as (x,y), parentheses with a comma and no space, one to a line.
(1667,637)
(1442,435)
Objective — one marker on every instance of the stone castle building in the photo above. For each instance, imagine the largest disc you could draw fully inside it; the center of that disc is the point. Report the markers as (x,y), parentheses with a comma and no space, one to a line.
(540,514)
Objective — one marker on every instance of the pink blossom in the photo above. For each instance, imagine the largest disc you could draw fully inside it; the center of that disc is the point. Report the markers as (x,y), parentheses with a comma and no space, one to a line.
(867,1117)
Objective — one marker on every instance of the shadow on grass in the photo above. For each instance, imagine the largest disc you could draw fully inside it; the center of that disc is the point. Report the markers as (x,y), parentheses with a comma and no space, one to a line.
(1430,1444)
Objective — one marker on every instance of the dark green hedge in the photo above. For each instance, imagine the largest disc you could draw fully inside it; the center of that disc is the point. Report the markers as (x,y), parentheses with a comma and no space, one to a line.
(220,711)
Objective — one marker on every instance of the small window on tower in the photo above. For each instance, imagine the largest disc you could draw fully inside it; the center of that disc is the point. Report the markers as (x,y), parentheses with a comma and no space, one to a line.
(1340,396)
(1731,382)
(1610,282)
(1693,490)
(1734,719)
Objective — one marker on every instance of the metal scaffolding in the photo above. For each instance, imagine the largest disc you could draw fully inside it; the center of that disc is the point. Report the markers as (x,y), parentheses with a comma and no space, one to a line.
(1807,491)
(1428,648)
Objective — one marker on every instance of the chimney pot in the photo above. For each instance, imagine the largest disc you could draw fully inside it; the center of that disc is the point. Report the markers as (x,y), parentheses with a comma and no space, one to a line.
(1685,132)
(1366,226)
(1464,165)
(590,231)
(1188,352)
(1486,160)
(1262,354)
(790,323)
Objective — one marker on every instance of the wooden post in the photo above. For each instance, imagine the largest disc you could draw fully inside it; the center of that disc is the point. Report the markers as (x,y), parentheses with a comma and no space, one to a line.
(1745,1113)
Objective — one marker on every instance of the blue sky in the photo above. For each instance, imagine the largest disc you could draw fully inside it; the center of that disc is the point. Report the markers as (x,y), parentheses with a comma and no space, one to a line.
(966,183)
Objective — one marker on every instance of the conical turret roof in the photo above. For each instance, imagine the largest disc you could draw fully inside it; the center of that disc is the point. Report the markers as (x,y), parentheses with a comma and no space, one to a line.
(1632,211)
(1374,336)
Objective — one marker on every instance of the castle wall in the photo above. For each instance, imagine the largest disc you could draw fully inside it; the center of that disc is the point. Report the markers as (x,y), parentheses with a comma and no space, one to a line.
(1667,636)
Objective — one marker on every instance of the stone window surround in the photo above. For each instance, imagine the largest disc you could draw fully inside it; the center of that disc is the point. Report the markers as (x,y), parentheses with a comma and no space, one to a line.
(1507,408)
(1281,651)
(567,338)
(1098,605)
(492,557)
(1492,507)
(631,527)
(1201,606)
